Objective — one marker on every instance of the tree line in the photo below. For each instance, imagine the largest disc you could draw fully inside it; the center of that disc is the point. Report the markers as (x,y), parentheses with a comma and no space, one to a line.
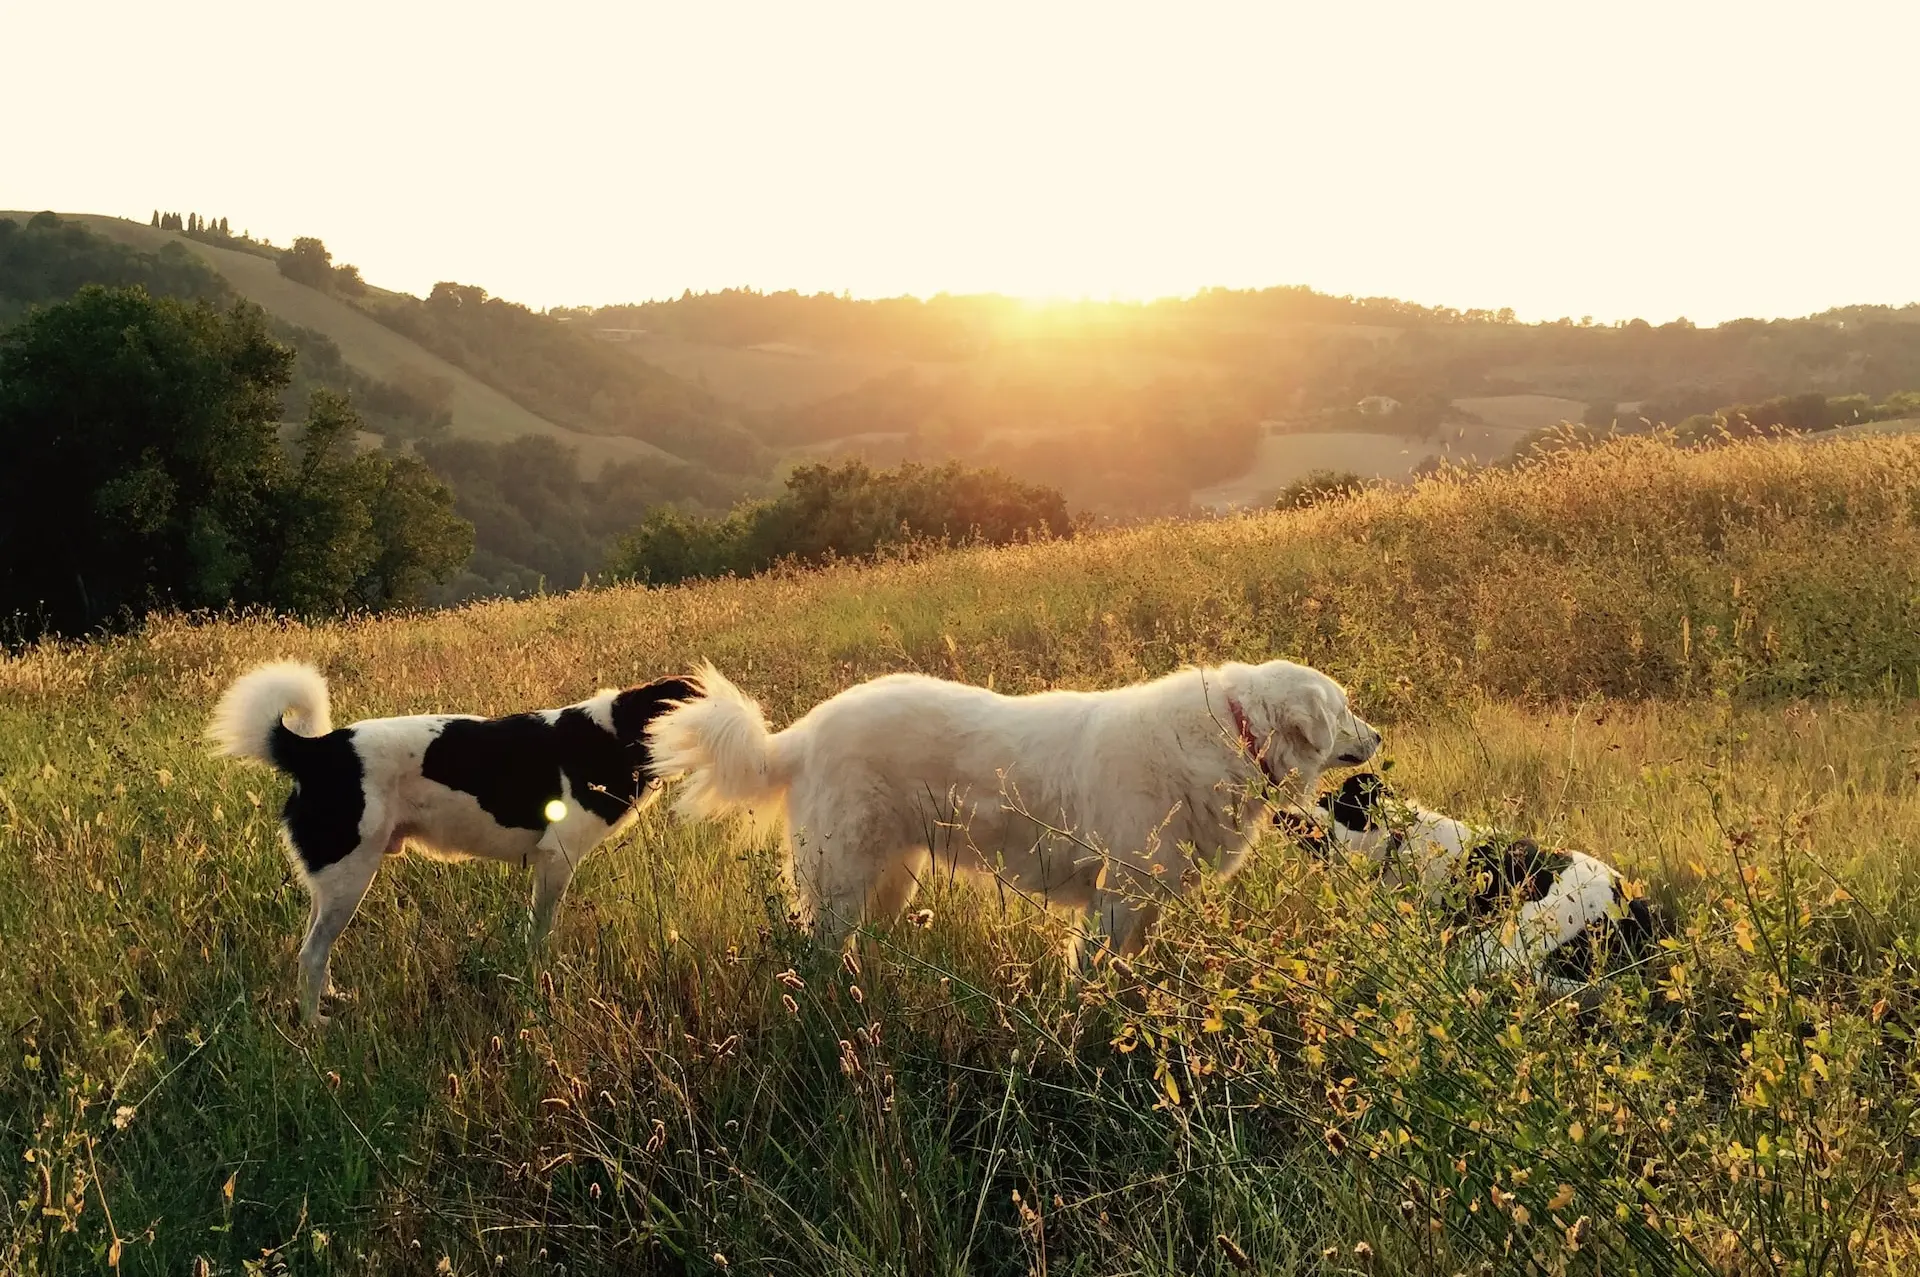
(191,224)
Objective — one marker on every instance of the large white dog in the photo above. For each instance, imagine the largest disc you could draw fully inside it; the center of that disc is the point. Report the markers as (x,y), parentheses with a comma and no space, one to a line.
(1060,794)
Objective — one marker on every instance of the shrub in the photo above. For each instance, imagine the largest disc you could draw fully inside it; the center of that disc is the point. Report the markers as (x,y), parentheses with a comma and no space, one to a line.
(1317,486)
(848,511)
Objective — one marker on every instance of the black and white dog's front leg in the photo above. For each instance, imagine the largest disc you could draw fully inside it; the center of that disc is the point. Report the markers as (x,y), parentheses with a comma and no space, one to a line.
(552,871)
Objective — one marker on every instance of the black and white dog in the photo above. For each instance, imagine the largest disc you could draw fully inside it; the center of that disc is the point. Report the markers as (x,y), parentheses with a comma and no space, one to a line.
(1564,915)
(542,788)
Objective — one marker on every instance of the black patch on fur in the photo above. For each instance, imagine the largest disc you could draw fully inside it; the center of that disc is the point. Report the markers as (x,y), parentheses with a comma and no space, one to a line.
(634,708)
(323,812)
(1609,943)
(512,766)
(1502,875)
(1356,804)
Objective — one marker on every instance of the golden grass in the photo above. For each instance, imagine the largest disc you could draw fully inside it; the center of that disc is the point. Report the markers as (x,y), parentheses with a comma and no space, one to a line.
(1702,665)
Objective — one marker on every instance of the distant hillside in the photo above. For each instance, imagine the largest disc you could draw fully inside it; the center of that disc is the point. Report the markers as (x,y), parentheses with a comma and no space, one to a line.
(1267,381)
(1131,409)
(479,411)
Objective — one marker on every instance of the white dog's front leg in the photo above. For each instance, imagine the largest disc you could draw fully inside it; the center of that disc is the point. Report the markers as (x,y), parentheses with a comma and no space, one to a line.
(552,871)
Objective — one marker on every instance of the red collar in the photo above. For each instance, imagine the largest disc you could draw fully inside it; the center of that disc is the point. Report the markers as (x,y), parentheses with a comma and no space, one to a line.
(1254,749)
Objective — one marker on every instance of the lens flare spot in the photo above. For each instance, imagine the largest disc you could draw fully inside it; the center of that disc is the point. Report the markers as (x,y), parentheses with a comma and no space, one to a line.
(556,811)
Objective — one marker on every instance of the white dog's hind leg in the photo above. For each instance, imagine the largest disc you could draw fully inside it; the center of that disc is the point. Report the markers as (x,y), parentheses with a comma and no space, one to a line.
(1123,922)
(336,893)
(898,885)
(840,861)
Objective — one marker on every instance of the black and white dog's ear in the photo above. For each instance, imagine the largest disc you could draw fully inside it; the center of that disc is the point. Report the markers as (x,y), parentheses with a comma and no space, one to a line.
(634,708)
(1356,804)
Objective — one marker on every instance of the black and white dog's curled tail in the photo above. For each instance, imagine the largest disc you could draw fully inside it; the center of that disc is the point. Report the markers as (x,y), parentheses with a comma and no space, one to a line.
(268,710)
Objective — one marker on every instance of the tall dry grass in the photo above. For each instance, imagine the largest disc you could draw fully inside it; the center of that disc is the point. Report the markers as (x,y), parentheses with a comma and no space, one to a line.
(1702,665)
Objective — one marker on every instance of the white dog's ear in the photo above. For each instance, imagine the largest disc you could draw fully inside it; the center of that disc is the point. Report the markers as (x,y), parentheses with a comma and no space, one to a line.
(1308,726)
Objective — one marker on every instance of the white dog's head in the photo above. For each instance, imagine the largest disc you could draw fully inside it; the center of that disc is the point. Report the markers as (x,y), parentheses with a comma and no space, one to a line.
(1292,719)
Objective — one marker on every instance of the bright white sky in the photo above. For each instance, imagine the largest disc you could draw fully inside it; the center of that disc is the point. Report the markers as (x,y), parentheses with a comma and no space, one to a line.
(1618,159)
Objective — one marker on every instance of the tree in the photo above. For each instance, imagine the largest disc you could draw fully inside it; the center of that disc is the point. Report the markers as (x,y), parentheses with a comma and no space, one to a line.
(308,262)
(156,219)
(223,227)
(358,528)
(147,470)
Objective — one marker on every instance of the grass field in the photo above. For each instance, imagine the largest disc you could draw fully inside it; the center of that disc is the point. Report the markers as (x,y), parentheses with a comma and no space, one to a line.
(1704,665)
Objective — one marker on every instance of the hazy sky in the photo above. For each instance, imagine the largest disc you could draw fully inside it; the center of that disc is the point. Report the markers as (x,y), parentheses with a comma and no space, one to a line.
(1613,159)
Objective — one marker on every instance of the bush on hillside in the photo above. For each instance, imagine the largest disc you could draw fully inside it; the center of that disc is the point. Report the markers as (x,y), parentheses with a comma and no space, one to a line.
(847,511)
(1316,486)
(308,262)
(1802,414)
(146,470)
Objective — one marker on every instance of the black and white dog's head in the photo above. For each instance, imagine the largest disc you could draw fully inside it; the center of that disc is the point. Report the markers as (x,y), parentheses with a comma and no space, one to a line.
(630,711)
(1357,806)
(1359,816)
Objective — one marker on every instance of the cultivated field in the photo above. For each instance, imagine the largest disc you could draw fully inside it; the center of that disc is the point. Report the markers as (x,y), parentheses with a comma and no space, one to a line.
(1704,665)
(1522,412)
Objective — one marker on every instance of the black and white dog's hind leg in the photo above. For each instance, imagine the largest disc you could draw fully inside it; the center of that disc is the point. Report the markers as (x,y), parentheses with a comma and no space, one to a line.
(334,893)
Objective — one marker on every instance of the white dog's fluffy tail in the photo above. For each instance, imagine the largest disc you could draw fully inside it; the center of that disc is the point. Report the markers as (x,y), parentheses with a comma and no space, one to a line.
(259,704)
(720,744)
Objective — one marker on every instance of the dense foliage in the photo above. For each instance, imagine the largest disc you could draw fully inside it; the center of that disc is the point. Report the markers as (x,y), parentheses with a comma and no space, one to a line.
(1803,413)
(51,258)
(848,511)
(146,469)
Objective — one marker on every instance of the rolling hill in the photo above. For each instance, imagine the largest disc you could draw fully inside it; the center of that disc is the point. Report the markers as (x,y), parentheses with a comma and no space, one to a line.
(479,411)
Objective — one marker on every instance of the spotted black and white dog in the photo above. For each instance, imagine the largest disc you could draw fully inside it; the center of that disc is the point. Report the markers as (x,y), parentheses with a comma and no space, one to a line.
(1564,915)
(541,789)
